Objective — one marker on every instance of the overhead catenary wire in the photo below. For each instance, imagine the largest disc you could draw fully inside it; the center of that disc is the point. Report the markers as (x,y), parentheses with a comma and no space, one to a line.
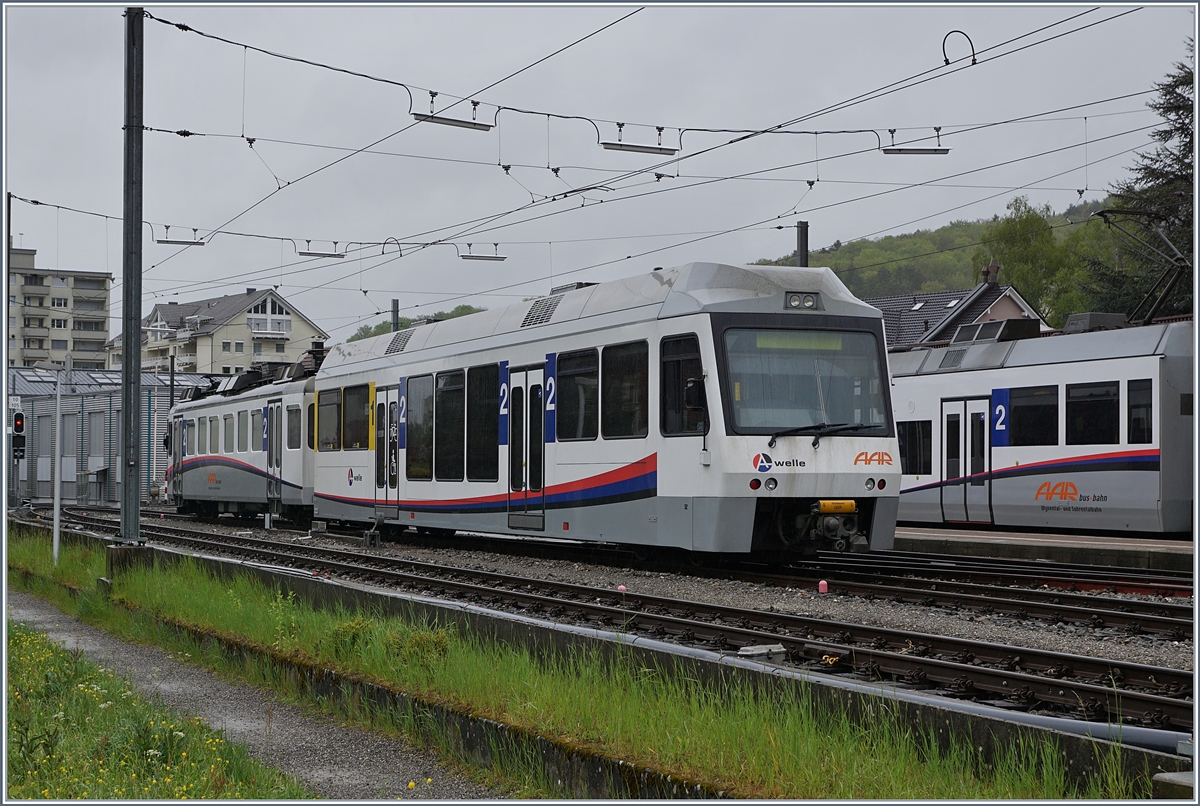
(259,274)
(318,170)
(886,89)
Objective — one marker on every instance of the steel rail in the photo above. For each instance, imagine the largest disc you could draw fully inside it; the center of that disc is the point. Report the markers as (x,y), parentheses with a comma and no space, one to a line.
(1135,616)
(930,658)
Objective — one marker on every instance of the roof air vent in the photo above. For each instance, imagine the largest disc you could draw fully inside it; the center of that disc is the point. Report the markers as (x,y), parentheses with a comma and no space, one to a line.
(952,359)
(541,311)
(399,342)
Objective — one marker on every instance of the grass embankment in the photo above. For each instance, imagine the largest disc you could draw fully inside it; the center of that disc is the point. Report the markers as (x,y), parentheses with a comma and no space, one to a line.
(753,745)
(76,731)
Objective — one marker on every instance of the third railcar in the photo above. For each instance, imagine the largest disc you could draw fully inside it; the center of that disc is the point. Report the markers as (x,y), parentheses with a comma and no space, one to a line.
(711,408)
(1088,431)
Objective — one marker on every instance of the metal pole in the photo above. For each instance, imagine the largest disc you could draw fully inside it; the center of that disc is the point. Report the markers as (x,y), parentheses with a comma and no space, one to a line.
(172,379)
(395,315)
(57,458)
(801,243)
(131,294)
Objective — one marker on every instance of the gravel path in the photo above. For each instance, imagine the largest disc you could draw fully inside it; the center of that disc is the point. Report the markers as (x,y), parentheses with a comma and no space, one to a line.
(340,763)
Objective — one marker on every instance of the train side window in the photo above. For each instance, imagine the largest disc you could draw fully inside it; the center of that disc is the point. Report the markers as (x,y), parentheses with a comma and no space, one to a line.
(449,425)
(1141,418)
(680,361)
(419,446)
(953,447)
(243,430)
(1094,413)
(214,434)
(1185,404)
(625,390)
(293,428)
(1033,413)
(201,435)
(578,404)
(228,433)
(483,423)
(329,420)
(356,418)
(256,429)
(311,425)
(191,436)
(916,447)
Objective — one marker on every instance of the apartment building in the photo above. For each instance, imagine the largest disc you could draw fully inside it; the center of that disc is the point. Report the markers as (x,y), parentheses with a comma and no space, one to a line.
(53,313)
(222,335)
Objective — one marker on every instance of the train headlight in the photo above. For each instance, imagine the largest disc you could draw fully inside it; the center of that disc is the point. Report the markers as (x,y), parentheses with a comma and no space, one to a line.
(772,484)
(809,300)
(870,484)
(794,301)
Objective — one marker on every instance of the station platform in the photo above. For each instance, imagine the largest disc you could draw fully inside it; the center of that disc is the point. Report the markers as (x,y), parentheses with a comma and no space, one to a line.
(1132,552)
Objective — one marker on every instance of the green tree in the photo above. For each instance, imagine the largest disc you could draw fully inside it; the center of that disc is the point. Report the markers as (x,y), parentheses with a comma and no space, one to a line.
(367,331)
(1163,186)
(1043,268)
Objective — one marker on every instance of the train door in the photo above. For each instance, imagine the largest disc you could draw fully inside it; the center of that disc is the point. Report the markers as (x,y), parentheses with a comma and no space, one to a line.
(273,442)
(966,478)
(526,450)
(387,429)
(177,431)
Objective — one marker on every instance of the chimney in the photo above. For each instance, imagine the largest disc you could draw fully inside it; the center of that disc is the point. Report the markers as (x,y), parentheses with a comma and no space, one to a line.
(251,290)
(992,272)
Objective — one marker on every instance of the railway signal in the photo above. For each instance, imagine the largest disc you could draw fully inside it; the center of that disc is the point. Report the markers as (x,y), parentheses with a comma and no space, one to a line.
(19,422)
(18,446)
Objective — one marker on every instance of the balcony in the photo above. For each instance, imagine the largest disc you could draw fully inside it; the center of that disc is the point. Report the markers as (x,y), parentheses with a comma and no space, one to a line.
(36,332)
(33,353)
(35,281)
(81,313)
(89,293)
(273,335)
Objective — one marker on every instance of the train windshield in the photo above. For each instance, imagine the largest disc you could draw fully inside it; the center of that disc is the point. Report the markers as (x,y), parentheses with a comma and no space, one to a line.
(785,379)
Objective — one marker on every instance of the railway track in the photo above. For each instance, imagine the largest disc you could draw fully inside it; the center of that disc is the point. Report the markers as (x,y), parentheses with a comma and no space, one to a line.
(1008,677)
(1068,577)
(1132,615)
(930,580)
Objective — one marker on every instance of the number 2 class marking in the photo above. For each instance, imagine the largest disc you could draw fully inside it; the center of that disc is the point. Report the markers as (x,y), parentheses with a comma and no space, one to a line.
(1000,418)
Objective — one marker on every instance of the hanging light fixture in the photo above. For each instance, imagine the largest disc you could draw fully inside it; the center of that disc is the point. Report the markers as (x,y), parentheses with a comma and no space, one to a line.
(167,239)
(496,256)
(307,251)
(895,149)
(444,121)
(620,145)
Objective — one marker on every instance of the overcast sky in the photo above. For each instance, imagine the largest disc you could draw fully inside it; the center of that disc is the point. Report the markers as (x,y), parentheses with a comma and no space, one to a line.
(678,67)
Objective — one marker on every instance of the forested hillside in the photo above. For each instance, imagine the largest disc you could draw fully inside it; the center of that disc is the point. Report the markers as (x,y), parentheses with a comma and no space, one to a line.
(945,259)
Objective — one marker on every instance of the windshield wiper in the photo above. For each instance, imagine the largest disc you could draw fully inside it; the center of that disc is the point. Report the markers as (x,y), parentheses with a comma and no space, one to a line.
(819,430)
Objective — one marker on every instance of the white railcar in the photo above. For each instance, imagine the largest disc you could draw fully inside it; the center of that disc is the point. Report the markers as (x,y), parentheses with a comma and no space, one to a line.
(243,452)
(711,408)
(1087,431)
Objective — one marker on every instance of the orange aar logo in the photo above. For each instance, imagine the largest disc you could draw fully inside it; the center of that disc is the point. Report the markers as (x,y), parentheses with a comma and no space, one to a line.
(212,478)
(873,458)
(1059,490)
